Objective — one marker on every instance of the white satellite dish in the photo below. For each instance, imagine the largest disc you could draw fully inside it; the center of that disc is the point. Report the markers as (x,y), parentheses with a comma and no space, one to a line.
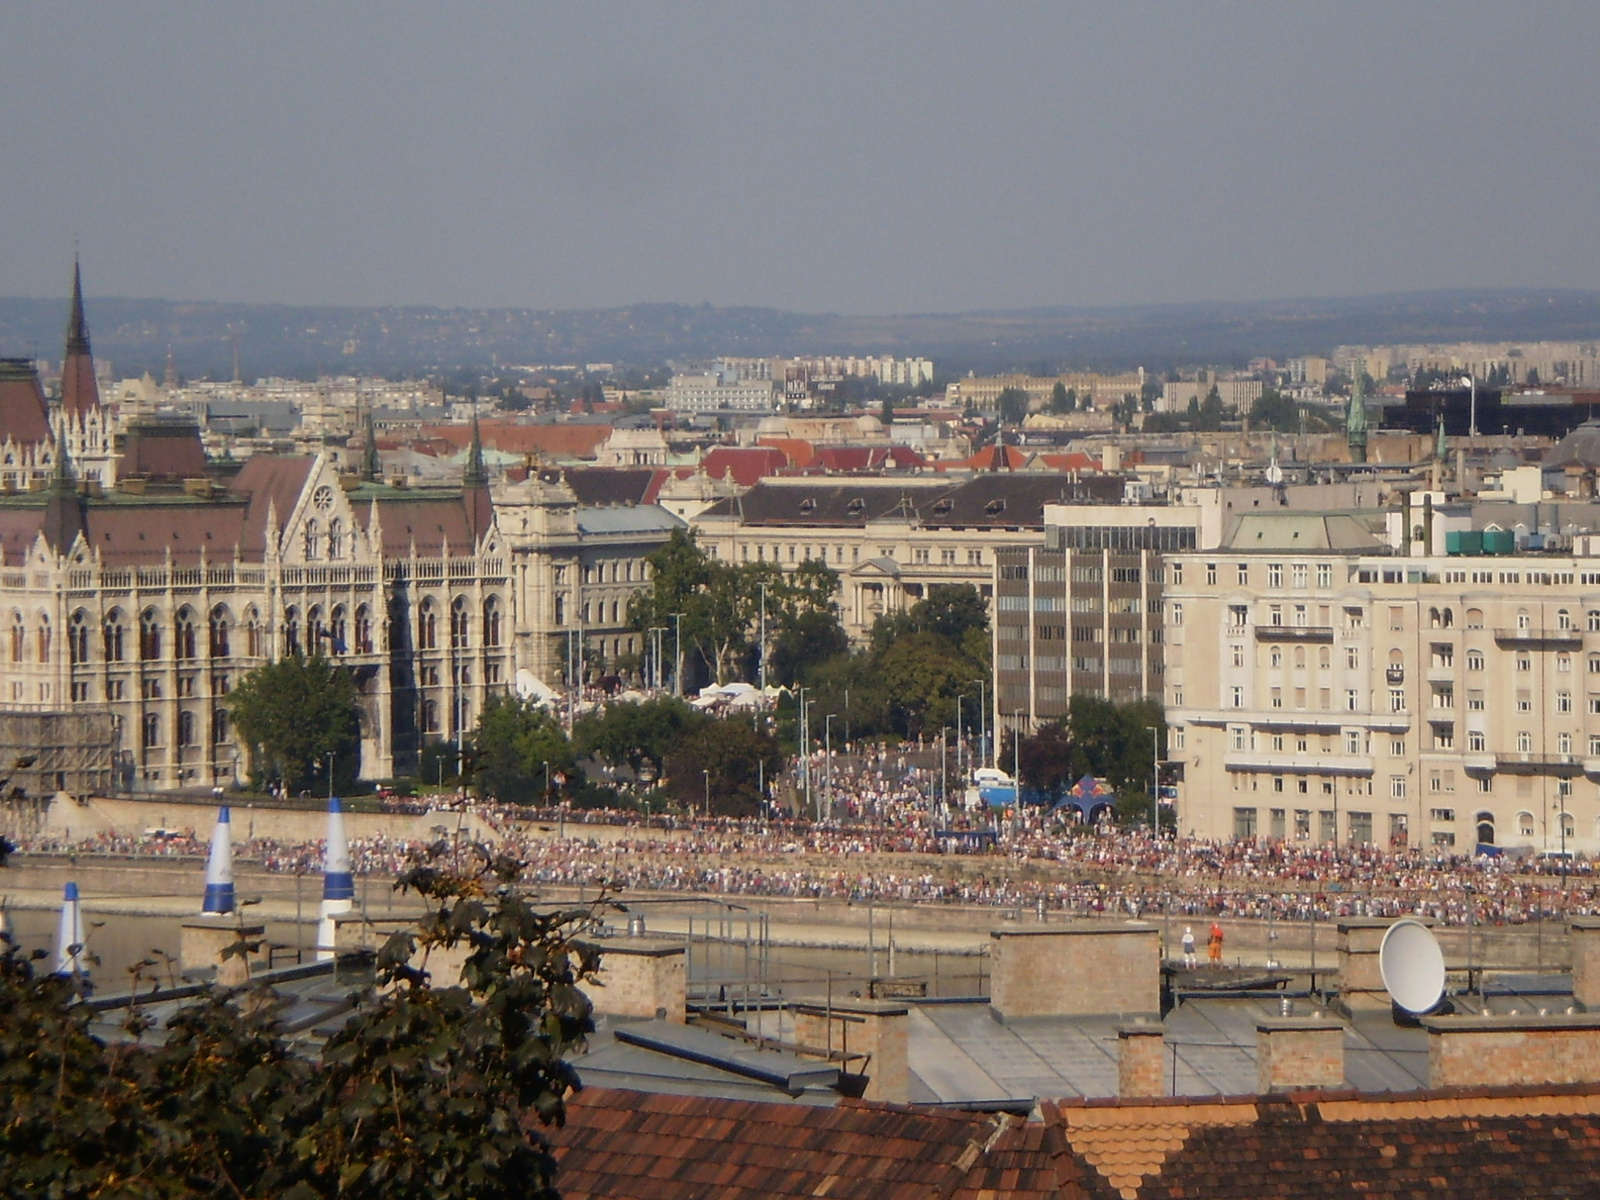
(1412,966)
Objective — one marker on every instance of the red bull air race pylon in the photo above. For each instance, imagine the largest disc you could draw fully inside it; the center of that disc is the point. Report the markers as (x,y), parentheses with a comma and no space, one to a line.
(219,869)
(338,884)
(71,956)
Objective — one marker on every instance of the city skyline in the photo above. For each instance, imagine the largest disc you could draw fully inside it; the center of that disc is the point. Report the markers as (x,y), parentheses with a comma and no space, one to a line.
(826,159)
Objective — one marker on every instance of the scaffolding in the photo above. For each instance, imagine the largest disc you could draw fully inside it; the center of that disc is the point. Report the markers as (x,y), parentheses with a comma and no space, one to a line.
(42,753)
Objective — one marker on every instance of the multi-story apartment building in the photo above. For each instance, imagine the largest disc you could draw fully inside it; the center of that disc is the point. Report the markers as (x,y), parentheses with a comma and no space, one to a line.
(890,539)
(719,391)
(1081,615)
(1321,689)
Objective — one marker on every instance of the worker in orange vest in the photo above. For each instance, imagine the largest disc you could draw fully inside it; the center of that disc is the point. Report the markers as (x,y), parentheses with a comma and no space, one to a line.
(1214,945)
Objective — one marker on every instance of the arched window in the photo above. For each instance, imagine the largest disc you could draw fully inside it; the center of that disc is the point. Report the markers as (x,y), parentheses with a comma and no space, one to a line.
(183,640)
(44,638)
(185,728)
(1523,620)
(1525,824)
(337,631)
(152,730)
(1449,618)
(427,626)
(219,726)
(430,716)
(315,630)
(114,635)
(561,609)
(252,632)
(1568,826)
(219,632)
(1486,828)
(491,622)
(1300,657)
(291,629)
(335,538)
(78,637)
(1474,618)
(149,635)
(458,623)
(363,630)
(1563,619)
(313,539)
(19,637)
(1434,620)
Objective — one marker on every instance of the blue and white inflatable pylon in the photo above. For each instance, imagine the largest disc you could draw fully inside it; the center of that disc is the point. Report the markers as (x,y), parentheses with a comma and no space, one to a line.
(70,953)
(219,869)
(338,884)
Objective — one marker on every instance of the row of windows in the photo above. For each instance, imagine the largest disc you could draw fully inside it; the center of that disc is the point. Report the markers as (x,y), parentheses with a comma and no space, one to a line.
(187,734)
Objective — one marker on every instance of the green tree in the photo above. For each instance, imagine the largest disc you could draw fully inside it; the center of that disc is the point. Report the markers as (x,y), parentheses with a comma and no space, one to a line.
(730,759)
(1012,404)
(296,712)
(429,1088)
(637,735)
(1062,398)
(514,744)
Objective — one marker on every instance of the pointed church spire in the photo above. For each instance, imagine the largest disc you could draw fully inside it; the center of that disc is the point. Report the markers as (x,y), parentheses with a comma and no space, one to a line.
(371,463)
(476,475)
(80,394)
(77,327)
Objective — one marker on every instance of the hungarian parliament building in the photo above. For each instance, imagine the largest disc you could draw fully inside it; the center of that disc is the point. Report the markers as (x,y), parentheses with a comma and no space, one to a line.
(139,584)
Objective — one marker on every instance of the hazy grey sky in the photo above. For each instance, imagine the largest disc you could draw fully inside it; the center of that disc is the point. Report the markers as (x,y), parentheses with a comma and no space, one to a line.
(892,156)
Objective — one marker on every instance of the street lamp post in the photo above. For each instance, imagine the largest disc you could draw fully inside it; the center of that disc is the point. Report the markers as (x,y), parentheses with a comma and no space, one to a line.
(677,654)
(959,737)
(1155,780)
(707,773)
(983,721)
(1472,411)
(827,753)
(763,639)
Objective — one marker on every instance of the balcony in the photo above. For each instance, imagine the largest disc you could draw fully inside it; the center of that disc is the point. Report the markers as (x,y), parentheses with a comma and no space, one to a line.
(1565,766)
(1478,763)
(1294,633)
(1539,637)
(1591,767)
(1283,762)
(1394,676)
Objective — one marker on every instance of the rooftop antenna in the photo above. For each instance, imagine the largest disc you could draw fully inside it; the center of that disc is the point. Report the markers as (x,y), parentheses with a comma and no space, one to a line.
(1412,966)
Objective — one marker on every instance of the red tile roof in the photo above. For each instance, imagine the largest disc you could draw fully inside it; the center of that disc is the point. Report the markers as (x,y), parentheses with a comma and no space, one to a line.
(631,1146)
(161,451)
(19,527)
(143,533)
(570,441)
(1525,1143)
(745,464)
(24,419)
(269,479)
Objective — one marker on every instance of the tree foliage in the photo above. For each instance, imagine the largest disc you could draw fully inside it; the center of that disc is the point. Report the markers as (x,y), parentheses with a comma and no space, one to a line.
(514,744)
(1012,404)
(1107,740)
(637,735)
(431,1089)
(720,603)
(728,762)
(295,712)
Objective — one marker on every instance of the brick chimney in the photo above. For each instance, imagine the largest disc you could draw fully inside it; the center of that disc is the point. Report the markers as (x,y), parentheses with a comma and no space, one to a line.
(876,1028)
(1585,944)
(1299,1052)
(1360,980)
(202,945)
(1141,1061)
(1498,1051)
(1076,970)
(641,977)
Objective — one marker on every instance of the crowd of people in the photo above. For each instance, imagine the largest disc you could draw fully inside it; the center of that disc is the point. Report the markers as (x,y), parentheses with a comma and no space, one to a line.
(881,831)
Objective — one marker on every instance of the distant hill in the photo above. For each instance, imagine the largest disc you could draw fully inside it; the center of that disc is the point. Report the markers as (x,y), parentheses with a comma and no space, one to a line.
(298,340)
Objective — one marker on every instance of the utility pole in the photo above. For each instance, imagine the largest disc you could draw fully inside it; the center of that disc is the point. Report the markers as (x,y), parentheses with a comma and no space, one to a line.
(763,638)
(827,753)
(983,722)
(805,750)
(677,655)
(1155,781)
(959,737)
